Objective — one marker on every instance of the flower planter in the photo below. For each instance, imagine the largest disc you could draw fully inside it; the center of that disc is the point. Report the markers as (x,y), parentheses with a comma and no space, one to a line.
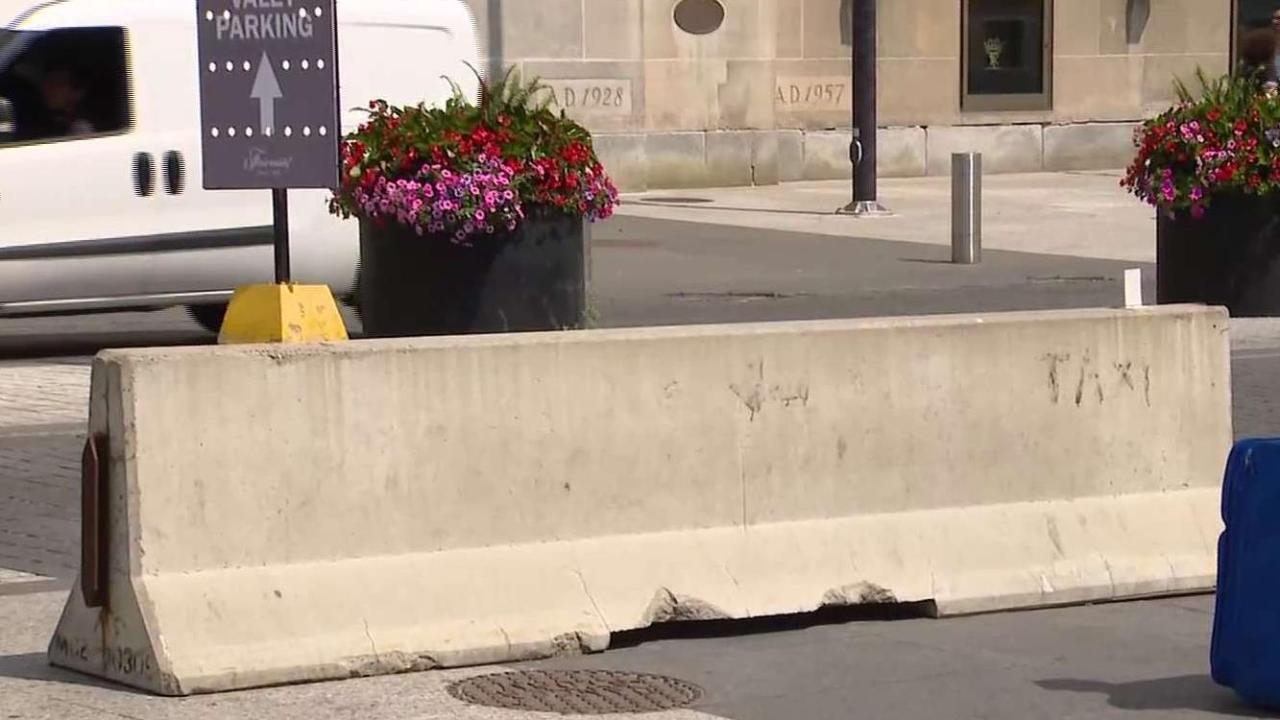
(473,217)
(1210,165)
(1229,257)
(531,279)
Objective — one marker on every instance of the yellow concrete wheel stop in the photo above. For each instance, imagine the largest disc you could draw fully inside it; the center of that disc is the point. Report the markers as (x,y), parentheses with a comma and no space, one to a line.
(283,313)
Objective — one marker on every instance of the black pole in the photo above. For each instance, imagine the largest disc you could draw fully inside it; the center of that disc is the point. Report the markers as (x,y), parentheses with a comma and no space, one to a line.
(863,151)
(497,48)
(864,97)
(280,233)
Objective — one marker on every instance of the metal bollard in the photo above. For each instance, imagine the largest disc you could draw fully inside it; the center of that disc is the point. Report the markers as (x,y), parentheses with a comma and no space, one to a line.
(966,208)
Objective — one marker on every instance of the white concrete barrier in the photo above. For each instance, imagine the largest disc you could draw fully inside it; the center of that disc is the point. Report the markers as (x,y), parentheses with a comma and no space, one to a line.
(286,514)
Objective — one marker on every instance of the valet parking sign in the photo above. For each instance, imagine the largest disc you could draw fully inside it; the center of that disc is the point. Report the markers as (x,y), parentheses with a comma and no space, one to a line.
(269,93)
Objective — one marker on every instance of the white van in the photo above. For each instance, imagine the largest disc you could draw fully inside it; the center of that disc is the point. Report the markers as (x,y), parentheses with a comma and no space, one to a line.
(108,213)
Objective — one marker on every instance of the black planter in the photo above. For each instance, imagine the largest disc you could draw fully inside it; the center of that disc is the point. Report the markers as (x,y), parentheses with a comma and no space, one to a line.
(1229,257)
(529,280)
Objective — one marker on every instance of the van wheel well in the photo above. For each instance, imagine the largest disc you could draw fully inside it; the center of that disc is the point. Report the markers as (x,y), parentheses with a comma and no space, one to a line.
(209,317)
(353,301)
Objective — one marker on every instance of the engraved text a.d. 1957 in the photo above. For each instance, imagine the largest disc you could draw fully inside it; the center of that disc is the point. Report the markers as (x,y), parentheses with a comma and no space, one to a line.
(808,94)
(261,162)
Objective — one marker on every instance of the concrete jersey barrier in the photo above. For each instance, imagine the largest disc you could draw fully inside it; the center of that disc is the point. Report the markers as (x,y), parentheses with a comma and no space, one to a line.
(273,515)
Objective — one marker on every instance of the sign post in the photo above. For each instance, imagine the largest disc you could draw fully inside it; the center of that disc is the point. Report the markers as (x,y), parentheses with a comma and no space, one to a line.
(280,234)
(270,120)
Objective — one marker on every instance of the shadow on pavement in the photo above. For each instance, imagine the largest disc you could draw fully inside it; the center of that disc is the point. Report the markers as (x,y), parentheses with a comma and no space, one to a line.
(831,615)
(926,261)
(1189,692)
(35,587)
(36,667)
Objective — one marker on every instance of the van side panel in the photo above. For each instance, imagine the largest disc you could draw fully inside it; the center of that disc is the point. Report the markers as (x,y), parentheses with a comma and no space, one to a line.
(402,64)
(395,50)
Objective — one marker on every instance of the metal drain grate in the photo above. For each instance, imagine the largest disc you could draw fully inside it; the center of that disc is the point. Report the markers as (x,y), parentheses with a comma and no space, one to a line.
(577,692)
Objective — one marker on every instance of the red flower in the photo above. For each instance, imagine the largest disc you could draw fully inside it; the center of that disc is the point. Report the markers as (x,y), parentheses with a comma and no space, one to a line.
(1214,115)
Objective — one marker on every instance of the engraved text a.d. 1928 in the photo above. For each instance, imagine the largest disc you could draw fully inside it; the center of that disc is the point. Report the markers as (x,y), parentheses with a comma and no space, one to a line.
(590,97)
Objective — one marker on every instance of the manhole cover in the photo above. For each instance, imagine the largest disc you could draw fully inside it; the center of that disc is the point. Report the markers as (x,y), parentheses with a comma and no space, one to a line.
(676,200)
(735,296)
(1068,279)
(577,692)
(625,243)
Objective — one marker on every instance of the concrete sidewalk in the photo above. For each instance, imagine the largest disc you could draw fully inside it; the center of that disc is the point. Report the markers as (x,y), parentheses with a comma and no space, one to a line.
(32,690)
(1131,660)
(1083,214)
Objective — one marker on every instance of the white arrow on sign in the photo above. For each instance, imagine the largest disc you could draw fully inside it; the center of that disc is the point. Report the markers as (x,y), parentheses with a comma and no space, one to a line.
(266,90)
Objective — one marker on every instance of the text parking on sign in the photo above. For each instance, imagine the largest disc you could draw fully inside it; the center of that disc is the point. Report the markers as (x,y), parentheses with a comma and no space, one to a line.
(261,20)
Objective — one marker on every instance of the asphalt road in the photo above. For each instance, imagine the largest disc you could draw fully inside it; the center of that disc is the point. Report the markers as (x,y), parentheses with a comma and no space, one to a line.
(1106,661)
(657,272)
(1122,660)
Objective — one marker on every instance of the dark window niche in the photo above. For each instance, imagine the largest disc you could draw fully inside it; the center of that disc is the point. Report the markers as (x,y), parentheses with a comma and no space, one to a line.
(1006,54)
(1253,35)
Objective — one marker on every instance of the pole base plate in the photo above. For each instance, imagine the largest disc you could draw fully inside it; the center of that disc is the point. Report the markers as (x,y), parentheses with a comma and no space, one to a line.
(286,314)
(864,208)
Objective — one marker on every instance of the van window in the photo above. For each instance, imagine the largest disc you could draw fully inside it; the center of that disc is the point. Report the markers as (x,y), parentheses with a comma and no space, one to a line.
(65,84)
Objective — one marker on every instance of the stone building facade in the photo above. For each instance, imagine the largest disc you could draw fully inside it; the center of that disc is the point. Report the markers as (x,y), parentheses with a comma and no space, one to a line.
(759,91)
